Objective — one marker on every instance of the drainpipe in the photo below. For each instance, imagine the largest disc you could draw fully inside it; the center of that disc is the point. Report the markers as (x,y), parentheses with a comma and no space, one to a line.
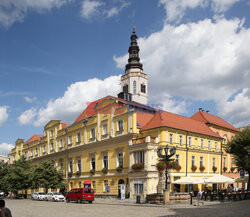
(66,160)
(186,152)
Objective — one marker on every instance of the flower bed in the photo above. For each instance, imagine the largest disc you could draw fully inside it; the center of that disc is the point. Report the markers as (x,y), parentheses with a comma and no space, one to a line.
(92,171)
(214,169)
(119,169)
(232,169)
(202,168)
(105,170)
(194,168)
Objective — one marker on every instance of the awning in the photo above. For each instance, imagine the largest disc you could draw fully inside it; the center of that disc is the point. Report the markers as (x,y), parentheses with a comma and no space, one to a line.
(189,180)
(219,179)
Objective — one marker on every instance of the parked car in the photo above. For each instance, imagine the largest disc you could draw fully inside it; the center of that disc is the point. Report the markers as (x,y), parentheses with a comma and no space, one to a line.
(38,195)
(80,194)
(55,196)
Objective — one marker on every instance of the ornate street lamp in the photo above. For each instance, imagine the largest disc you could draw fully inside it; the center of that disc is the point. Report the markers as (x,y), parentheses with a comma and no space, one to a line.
(166,159)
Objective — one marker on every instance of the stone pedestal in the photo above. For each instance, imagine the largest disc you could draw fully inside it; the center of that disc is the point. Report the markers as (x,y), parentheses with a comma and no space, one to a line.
(166,196)
(161,183)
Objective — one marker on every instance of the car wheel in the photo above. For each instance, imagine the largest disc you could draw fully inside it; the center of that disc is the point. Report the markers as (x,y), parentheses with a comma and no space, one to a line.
(67,200)
(90,201)
(78,200)
(53,199)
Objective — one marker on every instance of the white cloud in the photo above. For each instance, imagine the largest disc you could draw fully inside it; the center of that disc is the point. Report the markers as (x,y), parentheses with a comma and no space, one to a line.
(175,9)
(15,10)
(221,6)
(5,148)
(237,110)
(27,116)
(30,99)
(73,102)
(94,8)
(90,8)
(200,61)
(3,114)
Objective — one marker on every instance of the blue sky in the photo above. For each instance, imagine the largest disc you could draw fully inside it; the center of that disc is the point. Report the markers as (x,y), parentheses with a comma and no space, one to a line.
(57,55)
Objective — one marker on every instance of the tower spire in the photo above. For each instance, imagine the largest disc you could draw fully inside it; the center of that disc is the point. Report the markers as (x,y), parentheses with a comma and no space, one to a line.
(133,60)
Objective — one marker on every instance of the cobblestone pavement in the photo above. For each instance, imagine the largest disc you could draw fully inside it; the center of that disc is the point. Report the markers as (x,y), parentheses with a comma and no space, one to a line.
(117,208)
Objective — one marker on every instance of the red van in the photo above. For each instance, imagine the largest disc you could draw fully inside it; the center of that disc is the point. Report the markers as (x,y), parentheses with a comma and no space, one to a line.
(80,194)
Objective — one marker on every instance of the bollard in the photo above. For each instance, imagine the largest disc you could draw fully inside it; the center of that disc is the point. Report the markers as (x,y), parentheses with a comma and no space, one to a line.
(191,198)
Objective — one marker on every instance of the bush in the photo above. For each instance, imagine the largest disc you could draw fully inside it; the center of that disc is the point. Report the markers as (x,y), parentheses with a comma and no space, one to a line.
(137,166)
(92,171)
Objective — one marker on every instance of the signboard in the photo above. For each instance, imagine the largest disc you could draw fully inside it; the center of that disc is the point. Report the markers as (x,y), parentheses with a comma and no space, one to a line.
(123,191)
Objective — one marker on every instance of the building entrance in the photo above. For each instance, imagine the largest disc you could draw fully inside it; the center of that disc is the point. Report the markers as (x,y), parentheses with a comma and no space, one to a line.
(121,181)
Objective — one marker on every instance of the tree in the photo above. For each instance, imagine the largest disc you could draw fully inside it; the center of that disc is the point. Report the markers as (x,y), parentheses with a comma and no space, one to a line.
(239,146)
(47,176)
(19,175)
(4,170)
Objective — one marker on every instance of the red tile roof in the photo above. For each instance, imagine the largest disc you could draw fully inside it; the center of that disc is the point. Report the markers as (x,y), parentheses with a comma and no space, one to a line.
(143,118)
(33,138)
(212,119)
(167,119)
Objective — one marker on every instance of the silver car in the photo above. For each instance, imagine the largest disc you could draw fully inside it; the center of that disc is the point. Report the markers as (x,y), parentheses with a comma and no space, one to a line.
(37,195)
(55,196)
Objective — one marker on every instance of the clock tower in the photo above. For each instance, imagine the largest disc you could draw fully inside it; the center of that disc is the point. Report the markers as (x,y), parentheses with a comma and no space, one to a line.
(134,83)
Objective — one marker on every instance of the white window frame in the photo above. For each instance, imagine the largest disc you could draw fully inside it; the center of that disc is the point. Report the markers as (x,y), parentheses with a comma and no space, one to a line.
(120,127)
(51,145)
(78,137)
(189,141)
(79,160)
(209,144)
(177,158)
(36,151)
(224,162)
(61,165)
(215,145)
(51,133)
(31,152)
(171,138)
(134,87)
(105,129)
(105,158)
(92,133)
(91,162)
(139,187)
(71,167)
(139,157)
(214,162)
(202,143)
(70,140)
(192,160)
(180,139)
(44,148)
(61,143)
(119,157)
(201,161)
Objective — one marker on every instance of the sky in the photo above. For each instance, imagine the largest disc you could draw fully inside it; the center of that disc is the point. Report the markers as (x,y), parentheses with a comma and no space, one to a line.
(58,55)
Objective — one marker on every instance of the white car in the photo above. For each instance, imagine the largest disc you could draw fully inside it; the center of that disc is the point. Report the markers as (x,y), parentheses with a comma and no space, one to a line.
(41,196)
(38,195)
(55,196)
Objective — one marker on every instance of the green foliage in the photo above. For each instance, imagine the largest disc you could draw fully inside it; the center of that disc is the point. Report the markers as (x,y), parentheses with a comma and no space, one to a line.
(4,170)
(239,146)
(47,176)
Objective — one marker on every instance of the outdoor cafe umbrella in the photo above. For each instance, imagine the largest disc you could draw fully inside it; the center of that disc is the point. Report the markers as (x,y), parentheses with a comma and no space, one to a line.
(219,179)
(189,180)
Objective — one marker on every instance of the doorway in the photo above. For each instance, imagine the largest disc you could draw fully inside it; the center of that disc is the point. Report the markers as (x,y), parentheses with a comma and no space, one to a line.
(121,181)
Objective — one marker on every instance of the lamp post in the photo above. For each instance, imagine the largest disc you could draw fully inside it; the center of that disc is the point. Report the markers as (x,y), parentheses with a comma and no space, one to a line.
(169,152)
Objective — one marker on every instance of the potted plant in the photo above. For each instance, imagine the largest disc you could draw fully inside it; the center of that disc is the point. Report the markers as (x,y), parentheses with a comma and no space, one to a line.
(78,173)
(232,169)
(137,166)
(92,171)
(202,168)
(177,167)
(194,168)
(105,170)
(160,166)
(70,174)
(224,169)
(214,168)
(119,169)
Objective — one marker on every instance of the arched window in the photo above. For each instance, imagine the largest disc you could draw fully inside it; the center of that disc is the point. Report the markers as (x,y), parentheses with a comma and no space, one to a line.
(134,87)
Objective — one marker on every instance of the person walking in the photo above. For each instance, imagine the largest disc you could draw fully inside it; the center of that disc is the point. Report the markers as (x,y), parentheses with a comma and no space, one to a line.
(199,196)
(5,212)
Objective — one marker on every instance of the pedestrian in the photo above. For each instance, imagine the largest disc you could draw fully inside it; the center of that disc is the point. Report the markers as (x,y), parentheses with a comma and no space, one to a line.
(199,196)
(5,212)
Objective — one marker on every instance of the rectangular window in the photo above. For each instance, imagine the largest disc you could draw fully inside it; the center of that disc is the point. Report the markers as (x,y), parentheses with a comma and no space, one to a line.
(70,140)
(104,129)
(105,161)
(92,133)
(52,145)
(138,187)
(61,143)
(61,166)
(79,165)
(36,151)
(201,161)
(215,146)
(94,185)
(78,137)
(209,144)
(71,166)
(44,148)
(177,158)
(120,159)
(224,162)
(170,138)
(139,157)
(189,141)
(106,186)
(180,139)
(25,154)
(120,125)
(214,161)
(193,161)
(143,88)
(51,133)
(202,143)
(93,163)
(31,153)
